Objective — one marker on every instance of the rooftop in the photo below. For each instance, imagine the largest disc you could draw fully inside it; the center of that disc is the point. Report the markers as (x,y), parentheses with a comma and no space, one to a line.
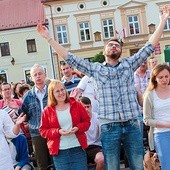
(21,13)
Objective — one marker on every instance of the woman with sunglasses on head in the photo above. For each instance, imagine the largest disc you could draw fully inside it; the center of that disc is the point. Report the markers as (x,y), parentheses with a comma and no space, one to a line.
(156,114)
(64,122)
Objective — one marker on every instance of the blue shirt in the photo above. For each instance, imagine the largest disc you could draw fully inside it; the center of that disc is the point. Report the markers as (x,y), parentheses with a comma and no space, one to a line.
(117,94)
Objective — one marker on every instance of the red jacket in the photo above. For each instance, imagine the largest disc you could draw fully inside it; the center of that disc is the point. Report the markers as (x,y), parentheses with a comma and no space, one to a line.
(49,125)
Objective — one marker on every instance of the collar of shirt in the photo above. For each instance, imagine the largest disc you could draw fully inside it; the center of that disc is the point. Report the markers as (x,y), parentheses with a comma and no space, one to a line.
(43,91)
(147,73)
(64,80)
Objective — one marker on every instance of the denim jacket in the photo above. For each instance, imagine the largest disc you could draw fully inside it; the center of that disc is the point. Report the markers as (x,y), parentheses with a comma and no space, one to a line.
(32,108)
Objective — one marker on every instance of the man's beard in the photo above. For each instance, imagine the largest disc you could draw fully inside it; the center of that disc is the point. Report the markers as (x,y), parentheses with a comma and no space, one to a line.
(115,56)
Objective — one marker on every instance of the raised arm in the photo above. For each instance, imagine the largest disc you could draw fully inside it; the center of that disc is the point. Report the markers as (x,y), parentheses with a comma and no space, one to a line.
(60,50)
(154,39)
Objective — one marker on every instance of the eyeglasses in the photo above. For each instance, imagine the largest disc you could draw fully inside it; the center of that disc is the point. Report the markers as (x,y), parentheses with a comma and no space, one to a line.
(113,44)
(58,91)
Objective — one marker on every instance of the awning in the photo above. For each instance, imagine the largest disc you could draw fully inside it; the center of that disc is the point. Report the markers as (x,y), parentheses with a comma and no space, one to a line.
(167,54)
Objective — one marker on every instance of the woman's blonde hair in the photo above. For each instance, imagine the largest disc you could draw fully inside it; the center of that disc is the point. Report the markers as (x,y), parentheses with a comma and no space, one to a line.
(156,70)
(51,99)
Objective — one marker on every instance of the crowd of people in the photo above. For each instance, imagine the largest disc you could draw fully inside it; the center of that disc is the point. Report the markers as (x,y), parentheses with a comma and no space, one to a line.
(82,120)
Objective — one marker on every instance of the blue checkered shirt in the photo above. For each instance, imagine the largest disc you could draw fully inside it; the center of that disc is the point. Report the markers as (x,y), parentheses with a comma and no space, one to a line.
(142,81)
(117,93)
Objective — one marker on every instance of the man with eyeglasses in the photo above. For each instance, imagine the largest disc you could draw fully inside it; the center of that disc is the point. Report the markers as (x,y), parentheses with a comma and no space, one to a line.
(118,105)
(8,101)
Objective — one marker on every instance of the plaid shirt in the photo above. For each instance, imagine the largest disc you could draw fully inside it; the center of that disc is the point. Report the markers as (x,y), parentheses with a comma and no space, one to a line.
(142,81)
(117,93)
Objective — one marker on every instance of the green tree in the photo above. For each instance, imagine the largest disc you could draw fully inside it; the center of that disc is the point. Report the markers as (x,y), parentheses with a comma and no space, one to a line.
(98,58)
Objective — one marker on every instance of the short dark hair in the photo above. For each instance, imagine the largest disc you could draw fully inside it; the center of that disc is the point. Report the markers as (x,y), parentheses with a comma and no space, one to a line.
(4,83)
(23,88)
(64,63)
(85,100)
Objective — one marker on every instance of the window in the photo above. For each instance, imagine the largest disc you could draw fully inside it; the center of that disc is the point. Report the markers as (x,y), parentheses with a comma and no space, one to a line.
(84,31)
(62,34)
(133,25)
(3,76)
(167,46)
(167,25)
(105,3)
(81,6)
(58,9)
(5,51)
(89,58)
(133,51)
(31,46)
(108,28)
(28,78)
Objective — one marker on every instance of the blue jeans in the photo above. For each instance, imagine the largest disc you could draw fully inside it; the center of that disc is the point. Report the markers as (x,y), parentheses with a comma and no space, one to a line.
(70,159)
(128,134)
(162,147)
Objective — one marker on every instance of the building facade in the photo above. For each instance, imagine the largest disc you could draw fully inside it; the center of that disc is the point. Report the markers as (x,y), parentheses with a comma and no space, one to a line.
(20,45)
(83,26)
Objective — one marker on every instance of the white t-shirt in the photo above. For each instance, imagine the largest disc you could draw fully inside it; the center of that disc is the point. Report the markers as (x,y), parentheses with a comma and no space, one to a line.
(6,129)
(161,111)
(89,87)
(65,121)
(93,134)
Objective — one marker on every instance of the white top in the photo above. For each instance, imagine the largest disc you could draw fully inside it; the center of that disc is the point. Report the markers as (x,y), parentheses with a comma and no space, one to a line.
(161,111)
(65,121)
(93,134)
(13,152)
(89,87)
(40,95)
(6,128)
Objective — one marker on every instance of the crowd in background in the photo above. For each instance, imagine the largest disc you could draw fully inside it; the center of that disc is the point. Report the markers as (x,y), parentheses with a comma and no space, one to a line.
(77,121)
(85,90)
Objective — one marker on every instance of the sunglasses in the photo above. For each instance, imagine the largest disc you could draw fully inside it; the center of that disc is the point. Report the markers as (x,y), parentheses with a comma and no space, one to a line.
(113,44)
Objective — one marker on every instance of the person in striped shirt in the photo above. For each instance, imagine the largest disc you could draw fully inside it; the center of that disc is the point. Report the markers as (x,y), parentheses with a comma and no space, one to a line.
(70,81)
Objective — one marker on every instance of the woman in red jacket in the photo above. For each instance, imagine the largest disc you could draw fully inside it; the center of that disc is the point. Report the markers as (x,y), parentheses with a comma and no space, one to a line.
(64,122)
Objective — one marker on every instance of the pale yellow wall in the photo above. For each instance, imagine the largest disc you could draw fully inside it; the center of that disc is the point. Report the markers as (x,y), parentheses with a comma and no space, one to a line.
(94,12)
(18,50)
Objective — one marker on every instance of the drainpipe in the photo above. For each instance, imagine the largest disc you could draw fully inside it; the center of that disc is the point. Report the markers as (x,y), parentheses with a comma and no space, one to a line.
(53,54)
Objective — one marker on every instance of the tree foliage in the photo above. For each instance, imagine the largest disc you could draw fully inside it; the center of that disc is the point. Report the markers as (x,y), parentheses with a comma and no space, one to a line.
(98,58)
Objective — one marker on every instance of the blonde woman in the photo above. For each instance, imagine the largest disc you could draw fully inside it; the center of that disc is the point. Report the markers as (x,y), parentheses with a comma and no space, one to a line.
(64,122)
(156,113)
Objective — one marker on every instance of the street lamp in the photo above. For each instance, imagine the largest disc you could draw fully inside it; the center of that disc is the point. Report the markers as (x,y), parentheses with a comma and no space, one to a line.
(13,61)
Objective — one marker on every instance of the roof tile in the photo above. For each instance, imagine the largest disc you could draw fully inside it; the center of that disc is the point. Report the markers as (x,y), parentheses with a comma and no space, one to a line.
(21,13)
